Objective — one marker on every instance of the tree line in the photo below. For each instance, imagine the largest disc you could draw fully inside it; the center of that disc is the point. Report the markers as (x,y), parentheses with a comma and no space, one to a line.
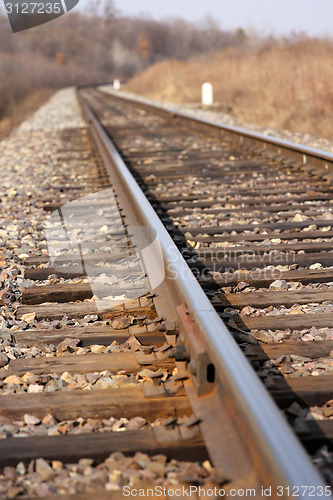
(108,43)
(98,45)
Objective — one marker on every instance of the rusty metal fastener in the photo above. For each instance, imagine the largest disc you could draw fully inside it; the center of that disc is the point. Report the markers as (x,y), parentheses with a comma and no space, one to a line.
(140,320)
(158,321)
(147,349)
(180,377)
(179,353)
(138,278)
(165,347)
(171,421)
(156,378)
(193,421)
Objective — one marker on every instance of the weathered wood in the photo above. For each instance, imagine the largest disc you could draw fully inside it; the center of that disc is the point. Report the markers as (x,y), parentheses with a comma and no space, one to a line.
(311,350)
(261,278)
(266,299)
(62,198)
(101,403)
(82,187)
(88,335)
(79,310)
(288,321)
(249,201)
(254,213)
(260,261)
(98,446)
(113,362)
(179,173)
(57,293)
(163,168)
(260,249)
(261,209)
(255,191)
(116,232)
(308,390)
(180,168)
(69,292)
(50,206)
(172,163)
(70,194)
(42,273)
(283,235)
(98,243)
(76,258)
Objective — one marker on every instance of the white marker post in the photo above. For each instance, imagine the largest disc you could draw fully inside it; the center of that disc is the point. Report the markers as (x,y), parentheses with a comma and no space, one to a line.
(207,94)
(116,84)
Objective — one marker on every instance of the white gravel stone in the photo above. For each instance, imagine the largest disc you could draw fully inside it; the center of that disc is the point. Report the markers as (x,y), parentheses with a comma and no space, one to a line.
(51,116)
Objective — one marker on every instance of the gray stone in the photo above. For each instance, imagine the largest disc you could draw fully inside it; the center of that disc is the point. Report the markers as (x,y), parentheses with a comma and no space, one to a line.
(136,423)
(49,420)
(121,323)
(67,345)
(20,469)
(279,285)
(10,430)
(53,431)
(44,470)
(3,359)
(35,388)
(86,462)
(62,383)
(3,323)
(90,318)
(7,336)
(52,386)
(10,473)
(30,419)
(104,383)
(92,377)
(327,216)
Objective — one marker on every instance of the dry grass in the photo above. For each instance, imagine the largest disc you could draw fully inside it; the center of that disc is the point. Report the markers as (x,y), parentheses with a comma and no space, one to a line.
(286,86)
(14,116)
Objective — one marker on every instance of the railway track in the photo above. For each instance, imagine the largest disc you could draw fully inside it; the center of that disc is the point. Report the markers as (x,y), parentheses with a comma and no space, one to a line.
(251,221)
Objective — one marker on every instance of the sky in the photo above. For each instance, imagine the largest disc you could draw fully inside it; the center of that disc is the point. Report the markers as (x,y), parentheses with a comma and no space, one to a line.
(314,17)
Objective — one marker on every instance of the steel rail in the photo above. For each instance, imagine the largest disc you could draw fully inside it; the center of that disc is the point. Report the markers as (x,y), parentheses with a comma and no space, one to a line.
(273,439)
(304,153)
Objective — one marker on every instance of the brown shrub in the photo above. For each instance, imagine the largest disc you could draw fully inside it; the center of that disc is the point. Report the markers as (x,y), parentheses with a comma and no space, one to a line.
(23,74)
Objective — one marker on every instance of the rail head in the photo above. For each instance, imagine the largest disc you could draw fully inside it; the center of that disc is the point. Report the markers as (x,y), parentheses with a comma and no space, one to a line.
(275,442)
